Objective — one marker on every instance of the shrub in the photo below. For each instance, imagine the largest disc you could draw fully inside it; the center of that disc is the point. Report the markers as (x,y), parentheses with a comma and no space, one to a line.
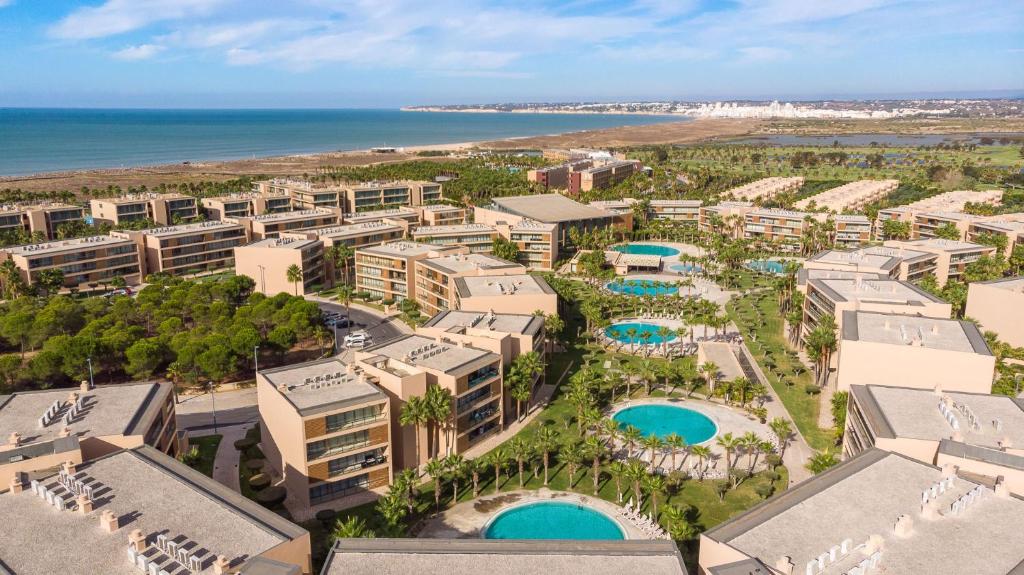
(245,443)
(812,389)
(765,490)
(259,481)
(271,496)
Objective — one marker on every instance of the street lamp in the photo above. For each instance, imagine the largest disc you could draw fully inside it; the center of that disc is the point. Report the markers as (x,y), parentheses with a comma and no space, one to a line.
(213,398)
(256,358)
(92,384)
(263,281)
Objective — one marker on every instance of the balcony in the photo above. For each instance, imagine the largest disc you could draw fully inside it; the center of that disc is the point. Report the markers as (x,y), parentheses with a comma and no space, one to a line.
(480,377)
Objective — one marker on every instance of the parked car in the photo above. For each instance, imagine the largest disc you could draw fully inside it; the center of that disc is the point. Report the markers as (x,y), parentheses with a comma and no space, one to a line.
(358,339)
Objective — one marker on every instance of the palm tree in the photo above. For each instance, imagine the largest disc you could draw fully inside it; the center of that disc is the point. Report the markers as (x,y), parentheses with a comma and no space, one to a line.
(663,333)
(547,439)
(521,450)
(435,468)
(631,436)
(352,527)
(710,372)
(702,453)
(653,443)
(654,485)
(752,444)
(678,523)
(497,460)
(439,407)
(636,471)
(676,443)
(782,430)
(476,467)
(618,470)
(728,443)
(456,467)
(339,255)
(572,454)
(595,449)
(415,413)
(408,478)
(610,429)
(821,460)
(294,276)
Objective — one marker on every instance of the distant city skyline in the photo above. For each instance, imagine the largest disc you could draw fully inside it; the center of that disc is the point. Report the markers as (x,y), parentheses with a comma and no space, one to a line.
(391,53)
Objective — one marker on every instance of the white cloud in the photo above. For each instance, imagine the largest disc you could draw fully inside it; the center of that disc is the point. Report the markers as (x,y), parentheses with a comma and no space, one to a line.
(119,16)
(140,52)
(763,53)
(5,3)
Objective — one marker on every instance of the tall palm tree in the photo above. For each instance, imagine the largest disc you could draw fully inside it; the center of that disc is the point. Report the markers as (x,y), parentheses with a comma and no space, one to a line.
(636,471)
(352,527)
(618,470)
(710,372)
(752,445)
(294,276)
(677,523)
(595,449)
(663,333)
(497,460)
(652,443)
(435,468)
(676,443)
(439,409)
(728,443)
(415,413)
(572,454)
(456,468)
(654,485)
(702,453)
(782,430)
(631,334)
(547,440)
(631,435)
(521,450)
(476,467)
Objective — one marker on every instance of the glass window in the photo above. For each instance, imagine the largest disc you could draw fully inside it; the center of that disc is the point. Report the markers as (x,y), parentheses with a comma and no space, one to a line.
(353,418)
(324,447)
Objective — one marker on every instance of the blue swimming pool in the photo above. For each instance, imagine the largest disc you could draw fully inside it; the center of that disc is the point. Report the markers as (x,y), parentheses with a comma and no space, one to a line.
(619,332)
(686,268)
(640,287)
(552,520)
(661,420)
(766,266)
(646,250)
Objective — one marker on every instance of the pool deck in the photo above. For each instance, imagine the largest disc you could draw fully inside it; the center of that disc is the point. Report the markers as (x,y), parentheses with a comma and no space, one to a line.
(469,518)
(702,288)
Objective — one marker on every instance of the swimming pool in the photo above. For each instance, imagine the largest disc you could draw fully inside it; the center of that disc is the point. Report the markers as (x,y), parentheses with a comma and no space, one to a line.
(767,266)
(640,287)
(618,332)
(646,250)
(686,268)
(661,420)
(552,520)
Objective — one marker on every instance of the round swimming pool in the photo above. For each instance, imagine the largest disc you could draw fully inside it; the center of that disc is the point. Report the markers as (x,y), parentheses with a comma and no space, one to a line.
(686,268)
(767,266)
(640,287)
(619,331)
(661,420)
(646,250)
(552,520)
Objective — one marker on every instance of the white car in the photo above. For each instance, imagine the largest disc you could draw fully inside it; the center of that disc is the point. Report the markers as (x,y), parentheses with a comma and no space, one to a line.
(358,339)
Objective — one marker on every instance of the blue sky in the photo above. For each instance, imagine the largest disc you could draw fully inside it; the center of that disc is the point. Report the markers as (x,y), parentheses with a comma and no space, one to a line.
(387,53)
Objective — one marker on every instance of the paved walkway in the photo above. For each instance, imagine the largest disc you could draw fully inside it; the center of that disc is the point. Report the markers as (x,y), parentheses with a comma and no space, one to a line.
(225,462)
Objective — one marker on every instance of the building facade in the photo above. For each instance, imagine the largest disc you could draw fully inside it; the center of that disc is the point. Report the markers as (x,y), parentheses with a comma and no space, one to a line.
(272,225)
(86,263)
(267,262)
(436,277)
(998,305)
(187,248)
(163,209)
(387,271)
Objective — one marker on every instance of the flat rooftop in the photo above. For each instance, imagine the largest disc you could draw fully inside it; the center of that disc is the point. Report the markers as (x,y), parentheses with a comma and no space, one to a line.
(462,263)
(426,352)
(907,330)
(533,225)
(149,492)
(72,245)
(353,230)
(401,249)
(680,203)
(476,556)
(519,284)
(881,290)
(197,227)
(939,244)
(106,410)
(322,385)
(551,208)
(143,197)
(903,412)
(857,259)
(1009,284)
(852,218)
(442,208)
(427,231)
(778,213)
(804,275)
(373,215)
(289,216)
(499,322)
(956,200)
(282,243)
(862,497)
(38,206)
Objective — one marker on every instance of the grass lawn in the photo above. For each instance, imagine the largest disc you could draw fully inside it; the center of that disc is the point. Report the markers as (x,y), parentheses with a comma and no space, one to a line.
(207,446)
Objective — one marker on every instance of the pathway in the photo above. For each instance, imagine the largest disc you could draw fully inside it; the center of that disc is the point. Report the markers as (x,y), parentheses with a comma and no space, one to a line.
(225,462)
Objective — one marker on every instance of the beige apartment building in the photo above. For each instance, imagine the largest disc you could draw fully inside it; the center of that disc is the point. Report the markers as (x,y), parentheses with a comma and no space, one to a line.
(951,256)
(555,209)
(726,218)
(188,248)
(506,334)
(370,196)
(505,294)
(407,217)
(1010,226)
(436,276)
(86,263)
(765,189)
(537,243)
(44,218)
(998,305)
(896,262)
(303,195)
(267,262)
(926,224)
(601,176)
(246,205)
(879,512)
(478,238)
(272,225)
(387,271)
(558,176)
(353,235)
(852,230)
(851,196)
(948,202)
(684,211)
(785,227)
(441,215)
(406,366)
(140,511)
(163,209)
(326,432)
(919,352)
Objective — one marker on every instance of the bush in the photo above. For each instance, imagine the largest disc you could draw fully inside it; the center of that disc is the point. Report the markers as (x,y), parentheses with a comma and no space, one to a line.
(255,464)
(271,496)
(259,481)
(765,490)
(772,460)
(326,516)
(812,389)
(245,443)
(190,457)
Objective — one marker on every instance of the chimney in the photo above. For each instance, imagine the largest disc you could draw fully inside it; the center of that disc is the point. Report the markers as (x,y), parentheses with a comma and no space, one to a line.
(64,431)
(904,526)
(14,440)
(784,565)
(69,467)
(1000,488)
(84,386)
(875,543)
(17,485)
(439,339)
(84,504)
(221,565)
(72,397)
(137,541)
(109,522)
(948,470)
(930,510)
(350,368)
(283,388)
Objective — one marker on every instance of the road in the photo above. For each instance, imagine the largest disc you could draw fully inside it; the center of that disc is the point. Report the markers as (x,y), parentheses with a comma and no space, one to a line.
(381,329)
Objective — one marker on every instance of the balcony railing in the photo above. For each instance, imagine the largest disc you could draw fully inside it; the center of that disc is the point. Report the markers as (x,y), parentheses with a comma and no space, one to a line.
(479,378)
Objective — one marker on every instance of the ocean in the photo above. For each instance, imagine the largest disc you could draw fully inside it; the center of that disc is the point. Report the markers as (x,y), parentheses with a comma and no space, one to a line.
(34,140)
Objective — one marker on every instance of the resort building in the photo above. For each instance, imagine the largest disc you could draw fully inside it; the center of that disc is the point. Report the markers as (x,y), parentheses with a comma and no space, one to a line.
(765,189)
(949,202)
(852,230)
(893,262)
(805,275)
(685,211)
(506,334)
(901,214)
(537,243)
(784,227)
(100,420)
(326,431)
(851,196)
(436,277)
(188,248)
(406,217)
(926,224)
(505,294)
(897,515)
(550,209)
(1010,226)
(303,195)
(404,367)
(557,176)
(381,195)
(246,204)
(139,511)
(271,225)
(951,256)
(44,218)
(86,263)
(387,271)
(163,209)
(726,218)
(267,262)
(976,432)
(470,556)
(478,238)
(602,176)
(441,215)
(998,306)
(920,352)
(353,235)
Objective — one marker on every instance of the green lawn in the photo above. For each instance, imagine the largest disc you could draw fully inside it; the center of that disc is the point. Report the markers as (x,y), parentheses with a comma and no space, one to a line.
(207,446)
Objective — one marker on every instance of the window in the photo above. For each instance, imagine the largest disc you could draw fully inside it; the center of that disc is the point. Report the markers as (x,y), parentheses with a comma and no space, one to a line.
(358,461)
(327,491)
(324,447)
(354,418)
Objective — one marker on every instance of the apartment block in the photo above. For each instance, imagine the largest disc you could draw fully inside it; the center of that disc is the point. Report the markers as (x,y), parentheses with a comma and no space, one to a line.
(353,235)
(478,238)
(188,248)
(406,217)
(805,275)
(246,205)
(404,367)
(978,433)
(537,243)
(100,419)
(506,334)
(44,218)
(998,305)
(765,189)
(303,195)
(948,202)
(1010,226)
(919,352)
(140,511)
(85,262)
(267,262)
(163,209)
(926,224)
(776,226)
(558,176)
(381,195)
(441,215)
(556,209)
(271,225)
(684,211)
(326,430)
(898,515)
(605,175)
(505,294)
(726,217)
(852,229)
(387,271)
(951,256)
(897,262)
(436,276)
(851,196)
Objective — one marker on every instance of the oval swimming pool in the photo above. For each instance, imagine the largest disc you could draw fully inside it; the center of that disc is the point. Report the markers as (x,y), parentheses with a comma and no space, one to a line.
(640,287)
(661,420)
(552,520)
(619,331)
(766,266)
(646,250)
